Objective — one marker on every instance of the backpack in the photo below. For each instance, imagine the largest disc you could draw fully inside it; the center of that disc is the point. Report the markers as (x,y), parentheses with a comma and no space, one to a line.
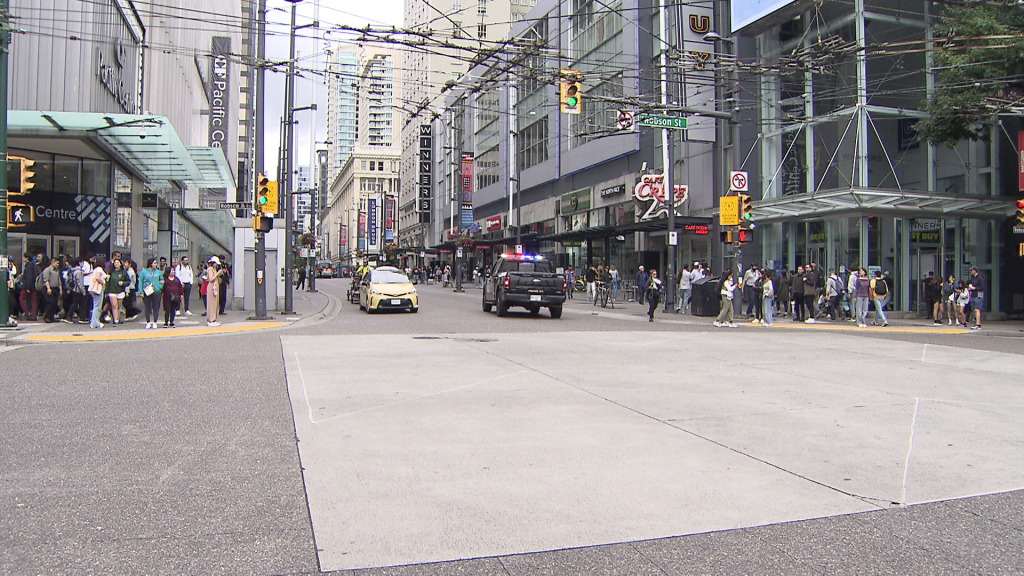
(880,288)
(40,283)
(71,281)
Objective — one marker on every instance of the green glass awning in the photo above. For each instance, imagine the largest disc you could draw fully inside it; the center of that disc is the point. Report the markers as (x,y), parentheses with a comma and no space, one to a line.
(146,144)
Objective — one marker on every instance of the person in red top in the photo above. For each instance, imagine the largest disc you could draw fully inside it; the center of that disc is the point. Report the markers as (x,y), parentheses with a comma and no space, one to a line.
(173,291)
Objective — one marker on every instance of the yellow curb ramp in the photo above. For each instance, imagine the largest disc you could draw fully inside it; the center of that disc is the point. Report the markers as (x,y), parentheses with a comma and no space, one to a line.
(151,334)
(803,326)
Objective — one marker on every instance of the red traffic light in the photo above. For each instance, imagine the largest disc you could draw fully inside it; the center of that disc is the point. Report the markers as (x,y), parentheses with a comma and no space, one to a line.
(1020,204)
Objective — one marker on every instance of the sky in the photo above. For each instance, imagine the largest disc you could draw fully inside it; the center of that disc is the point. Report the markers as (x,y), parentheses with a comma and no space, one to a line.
(310,44)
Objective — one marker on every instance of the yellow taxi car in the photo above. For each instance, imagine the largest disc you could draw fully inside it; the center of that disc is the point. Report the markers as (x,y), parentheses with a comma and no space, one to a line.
(387,288)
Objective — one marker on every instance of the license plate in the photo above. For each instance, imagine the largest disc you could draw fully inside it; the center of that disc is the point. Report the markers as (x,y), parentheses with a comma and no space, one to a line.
(396,302)
(535,298)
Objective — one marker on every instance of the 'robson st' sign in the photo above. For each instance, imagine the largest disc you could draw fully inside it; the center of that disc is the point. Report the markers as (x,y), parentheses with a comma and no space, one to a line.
(653,121)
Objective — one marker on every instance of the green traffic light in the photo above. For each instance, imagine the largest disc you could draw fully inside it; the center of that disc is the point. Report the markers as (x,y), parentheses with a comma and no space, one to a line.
(572,101)
(263,200)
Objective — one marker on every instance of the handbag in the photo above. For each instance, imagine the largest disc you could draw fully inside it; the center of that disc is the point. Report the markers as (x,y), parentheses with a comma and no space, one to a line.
(175,300)
(148,290)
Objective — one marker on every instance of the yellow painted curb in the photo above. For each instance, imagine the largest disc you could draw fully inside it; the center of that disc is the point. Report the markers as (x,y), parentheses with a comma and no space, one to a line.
(868,329)
(150,334)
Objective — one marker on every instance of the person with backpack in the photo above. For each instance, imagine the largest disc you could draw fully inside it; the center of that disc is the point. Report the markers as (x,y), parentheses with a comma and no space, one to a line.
(75,289)
(27,300)
(833,292)
(879,290)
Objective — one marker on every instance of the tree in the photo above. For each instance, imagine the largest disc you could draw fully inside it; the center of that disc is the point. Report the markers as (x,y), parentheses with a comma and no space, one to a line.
(979,59)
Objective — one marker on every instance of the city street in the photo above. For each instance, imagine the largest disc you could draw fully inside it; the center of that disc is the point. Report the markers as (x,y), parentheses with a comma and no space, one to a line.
(452,441)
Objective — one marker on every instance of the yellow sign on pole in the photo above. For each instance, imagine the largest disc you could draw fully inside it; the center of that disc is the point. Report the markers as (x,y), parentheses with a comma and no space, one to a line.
(729,211)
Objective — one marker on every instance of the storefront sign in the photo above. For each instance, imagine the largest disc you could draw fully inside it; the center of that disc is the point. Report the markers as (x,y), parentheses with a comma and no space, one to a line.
(149,200)
(113,75)
(620,189)
(371,209)
(57,214)
(697,229)
(220,86)
(651,188)
(926,231)
(575,201)
(389,218)
(492,223)
(466,213)
(426,173)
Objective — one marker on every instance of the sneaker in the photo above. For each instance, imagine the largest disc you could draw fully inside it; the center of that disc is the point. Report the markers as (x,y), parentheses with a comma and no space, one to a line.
(862,325)
(809,321)
(166,325)
(172,325)
(937,321)
(66,321)
(976,327)
(132,317)
(755,321)
(951,322)
(188,312)
(733,325)
(218,323)
(718,324)
(885,324)
(177,312)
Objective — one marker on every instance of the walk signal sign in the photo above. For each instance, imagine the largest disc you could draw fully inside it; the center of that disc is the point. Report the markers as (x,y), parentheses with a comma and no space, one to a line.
(266,196)
(745,235)
(746,208)
(572,92)
(729,211)
(1020,212)
(28,175)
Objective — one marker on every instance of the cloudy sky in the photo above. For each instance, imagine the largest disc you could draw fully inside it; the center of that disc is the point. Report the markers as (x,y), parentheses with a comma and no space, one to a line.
(310,45)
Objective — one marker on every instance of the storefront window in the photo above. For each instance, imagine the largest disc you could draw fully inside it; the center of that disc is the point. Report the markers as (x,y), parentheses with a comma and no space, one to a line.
(123,194)
(67,174)
(95,178)
(896,80)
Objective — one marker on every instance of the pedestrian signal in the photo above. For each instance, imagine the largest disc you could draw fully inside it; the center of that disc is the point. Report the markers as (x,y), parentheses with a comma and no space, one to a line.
(745,235)
(746,208)
(266,196)
(727,236)
(572,92)
(1020,212)
(28,175)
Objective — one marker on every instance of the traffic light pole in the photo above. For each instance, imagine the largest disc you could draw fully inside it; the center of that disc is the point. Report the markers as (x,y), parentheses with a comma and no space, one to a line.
(260,276)
(667,139)
(5,270)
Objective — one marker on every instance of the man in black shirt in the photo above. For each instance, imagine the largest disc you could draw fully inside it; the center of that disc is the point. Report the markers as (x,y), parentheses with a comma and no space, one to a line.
(978,286)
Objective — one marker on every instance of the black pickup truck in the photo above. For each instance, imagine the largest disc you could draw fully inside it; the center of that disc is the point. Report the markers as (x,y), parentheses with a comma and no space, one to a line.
(524,280)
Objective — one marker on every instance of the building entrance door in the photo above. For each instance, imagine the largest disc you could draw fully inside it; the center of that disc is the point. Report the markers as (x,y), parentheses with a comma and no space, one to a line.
(66,245)
(20,244)
(923,261)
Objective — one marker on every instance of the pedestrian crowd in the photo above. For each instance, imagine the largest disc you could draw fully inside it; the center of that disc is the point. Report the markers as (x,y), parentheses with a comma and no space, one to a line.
(100,291)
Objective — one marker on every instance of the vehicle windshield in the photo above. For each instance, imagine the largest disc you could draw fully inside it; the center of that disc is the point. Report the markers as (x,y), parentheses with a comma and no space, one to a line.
(387,277)
(517,266)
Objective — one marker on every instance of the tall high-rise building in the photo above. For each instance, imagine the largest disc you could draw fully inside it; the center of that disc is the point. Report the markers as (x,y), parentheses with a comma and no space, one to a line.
(342,101)
(466,22)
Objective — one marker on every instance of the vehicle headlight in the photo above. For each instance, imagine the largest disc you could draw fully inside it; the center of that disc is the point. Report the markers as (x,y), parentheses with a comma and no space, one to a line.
(374,291)
(413,291)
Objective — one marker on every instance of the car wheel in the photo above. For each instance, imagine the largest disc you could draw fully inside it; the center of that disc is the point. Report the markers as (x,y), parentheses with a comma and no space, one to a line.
(487,305)
(534,311)
(502,307)
(556,311)
(414,310)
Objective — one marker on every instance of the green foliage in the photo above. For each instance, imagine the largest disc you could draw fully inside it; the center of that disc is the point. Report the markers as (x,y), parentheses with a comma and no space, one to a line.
(979,60)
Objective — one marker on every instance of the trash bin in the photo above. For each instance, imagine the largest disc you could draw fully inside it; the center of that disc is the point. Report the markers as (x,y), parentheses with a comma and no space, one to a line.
(705,298)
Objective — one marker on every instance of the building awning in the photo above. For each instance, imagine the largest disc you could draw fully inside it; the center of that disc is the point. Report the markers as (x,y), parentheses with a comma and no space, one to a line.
(144,143)
(659,224)
(874,202)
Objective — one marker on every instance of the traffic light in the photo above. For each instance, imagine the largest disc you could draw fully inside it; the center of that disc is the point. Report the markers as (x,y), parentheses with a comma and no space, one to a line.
(572,92)
(746,208)
(28,175)
(727,236)
(745,235)
(262,223)
(1020,212)
(266,195)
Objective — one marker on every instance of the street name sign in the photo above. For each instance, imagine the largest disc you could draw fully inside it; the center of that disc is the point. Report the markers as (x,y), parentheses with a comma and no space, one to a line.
(654,121)
(235,205)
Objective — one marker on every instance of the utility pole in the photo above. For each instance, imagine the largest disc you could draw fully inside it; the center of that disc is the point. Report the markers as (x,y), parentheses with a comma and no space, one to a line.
(260,294)
(667,140)
(5,266)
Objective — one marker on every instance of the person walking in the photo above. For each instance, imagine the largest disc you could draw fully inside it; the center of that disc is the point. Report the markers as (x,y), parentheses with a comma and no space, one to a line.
(213,273)
(184,273)
(862,291)
(114,290)
(654,288)
(151,284)
(97,290)
(833,291)
(768,298)
(173,293)
(614,273)
(685,288)
(51,284)
(589,277)
(726,288)
(75,282)
(301,284)
(570,282)
(978,285)
(879,289)
(27,298)
(641,284)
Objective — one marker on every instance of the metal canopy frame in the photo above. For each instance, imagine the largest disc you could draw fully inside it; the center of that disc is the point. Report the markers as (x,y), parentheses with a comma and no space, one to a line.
(874,201)
(144,143)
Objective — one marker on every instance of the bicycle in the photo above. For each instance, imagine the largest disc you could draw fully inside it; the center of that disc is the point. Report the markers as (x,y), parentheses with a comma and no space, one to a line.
(602,294)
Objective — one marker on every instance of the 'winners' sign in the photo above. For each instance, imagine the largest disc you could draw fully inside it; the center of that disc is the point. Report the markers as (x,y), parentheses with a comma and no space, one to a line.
(651,189)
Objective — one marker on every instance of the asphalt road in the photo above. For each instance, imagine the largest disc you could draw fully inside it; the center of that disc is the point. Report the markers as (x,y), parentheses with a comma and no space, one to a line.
(180,456)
